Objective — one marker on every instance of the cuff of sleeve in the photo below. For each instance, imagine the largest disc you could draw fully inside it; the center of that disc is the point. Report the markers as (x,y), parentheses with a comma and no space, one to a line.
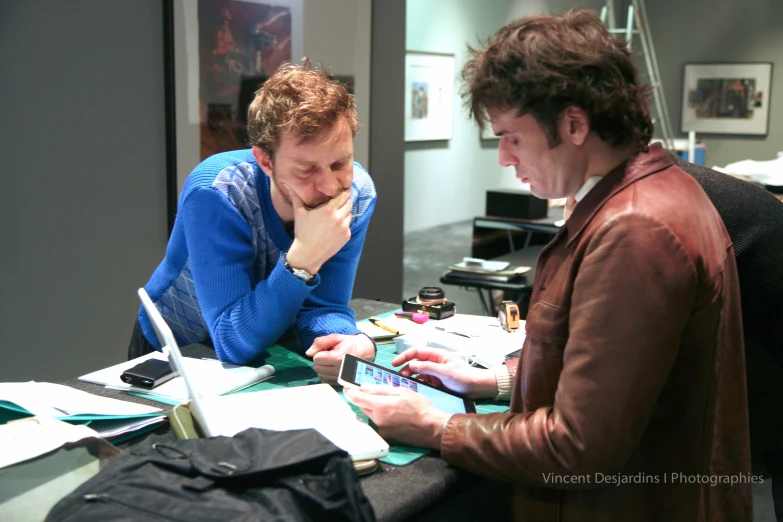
(505,382)
(374,345)
(450,443)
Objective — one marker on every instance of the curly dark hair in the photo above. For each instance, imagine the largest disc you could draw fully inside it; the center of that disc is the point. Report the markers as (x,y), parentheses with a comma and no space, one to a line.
(299,100)
(543,64)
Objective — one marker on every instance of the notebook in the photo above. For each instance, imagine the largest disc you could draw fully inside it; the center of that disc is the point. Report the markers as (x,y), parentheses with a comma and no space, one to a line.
(317,406)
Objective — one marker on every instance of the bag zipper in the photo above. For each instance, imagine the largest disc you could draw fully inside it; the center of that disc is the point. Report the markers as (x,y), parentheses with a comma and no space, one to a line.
(105,497)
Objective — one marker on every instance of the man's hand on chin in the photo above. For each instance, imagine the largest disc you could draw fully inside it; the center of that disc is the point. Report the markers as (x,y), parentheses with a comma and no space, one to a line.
(327,353)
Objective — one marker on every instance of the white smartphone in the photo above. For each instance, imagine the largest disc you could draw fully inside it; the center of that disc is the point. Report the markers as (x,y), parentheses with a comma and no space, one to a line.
(354,372)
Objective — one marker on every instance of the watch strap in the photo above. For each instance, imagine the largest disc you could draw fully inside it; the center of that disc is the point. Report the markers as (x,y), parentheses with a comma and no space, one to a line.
(298,273)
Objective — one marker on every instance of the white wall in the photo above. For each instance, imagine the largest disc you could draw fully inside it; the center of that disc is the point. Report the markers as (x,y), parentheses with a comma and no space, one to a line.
(445,181)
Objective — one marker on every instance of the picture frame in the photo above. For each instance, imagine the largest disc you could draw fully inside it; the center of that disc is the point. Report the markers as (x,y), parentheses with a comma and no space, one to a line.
(429,95)
(217,53)
(726,98)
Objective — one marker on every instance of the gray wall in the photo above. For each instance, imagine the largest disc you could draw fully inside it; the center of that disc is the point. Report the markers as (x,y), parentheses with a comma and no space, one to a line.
(696,31)
(380,271)
(84,183)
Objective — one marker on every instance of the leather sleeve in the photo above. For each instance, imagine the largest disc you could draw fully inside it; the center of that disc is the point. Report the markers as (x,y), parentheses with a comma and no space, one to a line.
(632,298)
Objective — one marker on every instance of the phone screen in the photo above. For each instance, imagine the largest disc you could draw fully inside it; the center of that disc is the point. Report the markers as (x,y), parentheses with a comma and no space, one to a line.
(358,371)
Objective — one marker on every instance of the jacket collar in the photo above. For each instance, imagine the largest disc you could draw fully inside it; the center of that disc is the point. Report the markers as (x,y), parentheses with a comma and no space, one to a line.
(627,172)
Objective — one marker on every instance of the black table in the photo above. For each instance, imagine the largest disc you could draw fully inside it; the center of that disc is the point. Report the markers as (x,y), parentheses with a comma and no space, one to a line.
(548,225)
(425,489)
(519,290)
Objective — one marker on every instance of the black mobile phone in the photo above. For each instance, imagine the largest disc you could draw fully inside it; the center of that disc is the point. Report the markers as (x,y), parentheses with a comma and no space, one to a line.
(354,372)
(149,373)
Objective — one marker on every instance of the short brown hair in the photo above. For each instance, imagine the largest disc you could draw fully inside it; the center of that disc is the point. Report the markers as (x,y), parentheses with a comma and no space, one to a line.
(543,64)
(299,100)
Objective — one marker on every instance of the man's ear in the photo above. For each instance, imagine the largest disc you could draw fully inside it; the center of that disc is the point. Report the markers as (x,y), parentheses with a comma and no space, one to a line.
(575,125)
(264,161)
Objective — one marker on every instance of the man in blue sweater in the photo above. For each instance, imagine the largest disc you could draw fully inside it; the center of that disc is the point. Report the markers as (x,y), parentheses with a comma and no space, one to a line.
(270,237)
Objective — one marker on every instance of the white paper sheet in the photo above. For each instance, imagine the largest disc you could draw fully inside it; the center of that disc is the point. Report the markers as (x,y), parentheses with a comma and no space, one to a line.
(28,438)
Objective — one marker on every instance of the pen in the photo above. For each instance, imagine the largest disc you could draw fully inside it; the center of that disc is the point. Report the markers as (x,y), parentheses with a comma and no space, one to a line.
(388,328)
(442,329)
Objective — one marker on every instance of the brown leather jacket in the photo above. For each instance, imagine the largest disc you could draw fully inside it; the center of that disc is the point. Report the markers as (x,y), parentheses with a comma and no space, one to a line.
(629,399)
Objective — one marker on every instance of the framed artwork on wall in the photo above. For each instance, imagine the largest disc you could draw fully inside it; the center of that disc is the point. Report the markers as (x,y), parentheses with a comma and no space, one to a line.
(217,55)
(429,91)
(726,98)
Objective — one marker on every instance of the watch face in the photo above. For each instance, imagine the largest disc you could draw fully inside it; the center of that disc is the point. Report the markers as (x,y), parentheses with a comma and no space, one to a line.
(301,274)
(297,272)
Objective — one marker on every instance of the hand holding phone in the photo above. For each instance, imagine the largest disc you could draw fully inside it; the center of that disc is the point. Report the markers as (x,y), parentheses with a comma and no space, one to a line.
(149,373)
(354,372)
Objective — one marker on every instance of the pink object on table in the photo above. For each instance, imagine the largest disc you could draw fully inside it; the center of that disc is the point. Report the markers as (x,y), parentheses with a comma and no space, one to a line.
(413,316)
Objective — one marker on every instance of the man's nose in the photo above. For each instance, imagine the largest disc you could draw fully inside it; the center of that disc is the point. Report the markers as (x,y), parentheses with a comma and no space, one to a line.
(505,157)
(329,184)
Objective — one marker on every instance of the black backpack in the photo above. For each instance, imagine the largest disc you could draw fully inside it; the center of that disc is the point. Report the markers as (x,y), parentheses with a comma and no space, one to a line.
(255,475)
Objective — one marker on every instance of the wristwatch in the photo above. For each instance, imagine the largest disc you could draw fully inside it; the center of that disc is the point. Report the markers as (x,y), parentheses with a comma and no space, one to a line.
(298,273)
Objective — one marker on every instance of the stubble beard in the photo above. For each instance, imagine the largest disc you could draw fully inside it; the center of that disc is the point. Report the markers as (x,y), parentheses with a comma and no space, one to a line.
(308,204)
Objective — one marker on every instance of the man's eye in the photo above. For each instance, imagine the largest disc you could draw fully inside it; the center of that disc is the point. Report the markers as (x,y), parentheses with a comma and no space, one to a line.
(338,166)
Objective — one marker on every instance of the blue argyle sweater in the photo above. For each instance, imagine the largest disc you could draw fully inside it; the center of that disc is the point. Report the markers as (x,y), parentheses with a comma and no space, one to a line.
(222,276)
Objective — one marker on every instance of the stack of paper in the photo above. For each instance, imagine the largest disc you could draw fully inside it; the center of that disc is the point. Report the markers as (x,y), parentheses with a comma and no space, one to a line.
(210,376)
(55,400)
(476,338)
(498,271)
(108,417)
(473,264)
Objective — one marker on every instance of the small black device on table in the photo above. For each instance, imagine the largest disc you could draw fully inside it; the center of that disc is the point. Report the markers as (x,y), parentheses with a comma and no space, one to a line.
(149,373)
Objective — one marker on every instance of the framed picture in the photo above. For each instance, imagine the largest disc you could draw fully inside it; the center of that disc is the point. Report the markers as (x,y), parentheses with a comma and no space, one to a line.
(429,91)
(726,98)
(217,55)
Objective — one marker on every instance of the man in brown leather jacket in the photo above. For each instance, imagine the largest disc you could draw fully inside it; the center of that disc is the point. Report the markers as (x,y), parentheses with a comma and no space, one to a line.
(629,400)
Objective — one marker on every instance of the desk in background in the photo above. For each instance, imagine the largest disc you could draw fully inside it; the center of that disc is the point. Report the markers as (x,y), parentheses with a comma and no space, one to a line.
(519,243)
(545,226)
(426,489)
(518,291)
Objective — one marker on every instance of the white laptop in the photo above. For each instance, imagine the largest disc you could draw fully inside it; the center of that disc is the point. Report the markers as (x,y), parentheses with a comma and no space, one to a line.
(300,407)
